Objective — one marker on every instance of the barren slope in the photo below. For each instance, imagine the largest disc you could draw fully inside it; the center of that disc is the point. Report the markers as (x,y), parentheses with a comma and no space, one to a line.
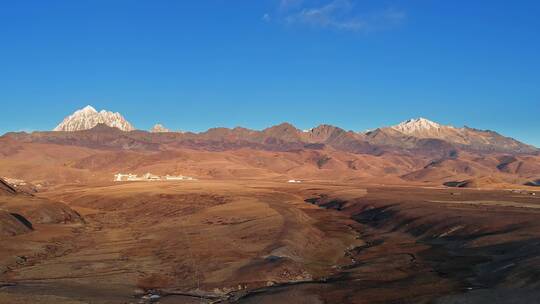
(259,242)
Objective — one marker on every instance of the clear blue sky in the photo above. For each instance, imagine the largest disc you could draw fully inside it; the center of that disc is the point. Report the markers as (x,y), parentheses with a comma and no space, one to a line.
(192,65)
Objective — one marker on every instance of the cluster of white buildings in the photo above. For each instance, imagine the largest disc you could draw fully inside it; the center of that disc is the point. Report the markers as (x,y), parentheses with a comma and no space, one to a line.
(120,177)
(294,181)
(524,192)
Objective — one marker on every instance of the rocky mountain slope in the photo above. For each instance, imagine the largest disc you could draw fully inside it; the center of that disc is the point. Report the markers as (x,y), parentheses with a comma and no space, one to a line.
(19,211)
(417,132)
(286,137)
(418,135)
(421,127)
(88,117)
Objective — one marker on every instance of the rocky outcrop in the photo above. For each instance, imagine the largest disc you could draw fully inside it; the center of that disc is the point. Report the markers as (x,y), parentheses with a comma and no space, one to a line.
(6,188)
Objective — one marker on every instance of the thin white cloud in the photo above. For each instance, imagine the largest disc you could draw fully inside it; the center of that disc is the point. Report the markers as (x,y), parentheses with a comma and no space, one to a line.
(338,14)
(266,17)
(334,14)
(289,4)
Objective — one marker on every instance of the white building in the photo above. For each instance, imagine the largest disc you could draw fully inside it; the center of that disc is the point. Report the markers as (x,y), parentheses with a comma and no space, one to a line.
(178,177)
(120,177)
(151,177)
(124,177)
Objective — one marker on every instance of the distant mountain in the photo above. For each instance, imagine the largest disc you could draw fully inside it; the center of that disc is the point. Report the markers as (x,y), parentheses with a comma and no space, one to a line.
(416,150)
(323,133)
(418,136)
(159,128)
(422,128)
(410,133)
(87,118)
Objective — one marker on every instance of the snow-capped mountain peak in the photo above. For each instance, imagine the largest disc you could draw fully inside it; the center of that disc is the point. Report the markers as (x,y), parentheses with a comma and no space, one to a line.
(88,109)
(416,125)
(159,128)
(88,117)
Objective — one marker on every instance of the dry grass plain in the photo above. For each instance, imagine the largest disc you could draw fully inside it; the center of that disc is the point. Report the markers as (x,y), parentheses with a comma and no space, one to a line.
(253,241)
(206,236)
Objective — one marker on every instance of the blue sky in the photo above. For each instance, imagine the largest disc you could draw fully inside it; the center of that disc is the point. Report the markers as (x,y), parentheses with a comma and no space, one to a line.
(192,65)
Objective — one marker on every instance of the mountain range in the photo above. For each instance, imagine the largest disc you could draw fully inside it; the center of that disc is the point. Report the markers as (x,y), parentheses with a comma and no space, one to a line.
(412,134)
(417,150)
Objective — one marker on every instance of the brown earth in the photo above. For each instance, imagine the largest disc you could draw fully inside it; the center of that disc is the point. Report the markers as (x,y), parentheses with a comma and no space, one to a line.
(48,165)
(254,241)
(483,158)
(6,188)
(371,221)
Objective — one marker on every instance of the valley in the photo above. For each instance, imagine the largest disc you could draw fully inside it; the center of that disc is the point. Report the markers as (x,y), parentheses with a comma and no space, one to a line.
(97,212)
(260,241)
(269,152)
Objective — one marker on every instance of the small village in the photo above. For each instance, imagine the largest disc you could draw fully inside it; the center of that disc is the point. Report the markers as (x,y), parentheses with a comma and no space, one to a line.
(149,177)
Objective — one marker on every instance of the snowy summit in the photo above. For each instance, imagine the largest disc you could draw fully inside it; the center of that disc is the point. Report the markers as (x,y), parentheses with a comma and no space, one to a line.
(413,126)
(88,117)
(159,128)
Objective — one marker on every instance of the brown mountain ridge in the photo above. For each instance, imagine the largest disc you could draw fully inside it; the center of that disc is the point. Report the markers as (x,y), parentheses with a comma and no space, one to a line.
(414,151)
(283,151)
(285,137)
